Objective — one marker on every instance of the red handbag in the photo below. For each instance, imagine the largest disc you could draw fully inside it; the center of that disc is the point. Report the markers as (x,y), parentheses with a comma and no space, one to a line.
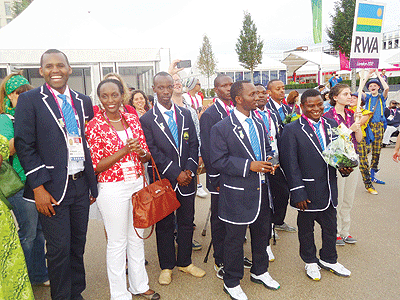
(153,202)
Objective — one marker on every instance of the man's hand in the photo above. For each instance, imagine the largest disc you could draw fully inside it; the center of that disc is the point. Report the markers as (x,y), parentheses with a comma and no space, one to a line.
(261,166)
(303,205)
(396,156)
(184,179)
(43,201)
(346,171)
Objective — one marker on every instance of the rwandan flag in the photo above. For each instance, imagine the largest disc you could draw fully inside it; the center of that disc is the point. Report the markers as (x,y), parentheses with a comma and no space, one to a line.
(369,18)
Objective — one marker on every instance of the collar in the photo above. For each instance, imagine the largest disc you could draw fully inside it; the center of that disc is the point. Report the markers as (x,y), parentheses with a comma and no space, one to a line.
(163,109)
(66,93)
(277,105)
(241,117)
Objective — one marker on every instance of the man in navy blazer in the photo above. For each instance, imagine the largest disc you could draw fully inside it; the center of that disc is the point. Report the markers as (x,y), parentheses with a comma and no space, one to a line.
(59,185)
(313,183)
(172,140)
(215,113)
(239,151)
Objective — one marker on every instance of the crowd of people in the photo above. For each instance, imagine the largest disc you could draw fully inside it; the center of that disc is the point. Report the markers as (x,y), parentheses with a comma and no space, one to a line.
(74,157)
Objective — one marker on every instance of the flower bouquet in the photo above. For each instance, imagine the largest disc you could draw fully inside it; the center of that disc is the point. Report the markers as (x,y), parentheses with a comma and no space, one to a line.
(293,116)
(340,152)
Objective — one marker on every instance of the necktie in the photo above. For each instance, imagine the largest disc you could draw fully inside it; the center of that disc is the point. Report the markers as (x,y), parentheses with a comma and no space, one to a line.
(280,110)
(265,119)
(255,144)
(319,135)
(69,116)
(172,126)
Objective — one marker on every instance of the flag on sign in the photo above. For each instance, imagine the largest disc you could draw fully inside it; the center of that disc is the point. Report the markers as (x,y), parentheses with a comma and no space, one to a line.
(369,18)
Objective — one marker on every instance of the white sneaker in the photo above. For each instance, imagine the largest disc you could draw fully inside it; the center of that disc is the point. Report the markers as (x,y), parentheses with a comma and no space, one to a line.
(201,192)
(236,293)
(312,271)
(271,256)
(337,269)
(266,280)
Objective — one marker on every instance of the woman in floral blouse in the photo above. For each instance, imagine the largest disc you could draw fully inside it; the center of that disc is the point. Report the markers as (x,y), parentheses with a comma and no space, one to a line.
(118,148)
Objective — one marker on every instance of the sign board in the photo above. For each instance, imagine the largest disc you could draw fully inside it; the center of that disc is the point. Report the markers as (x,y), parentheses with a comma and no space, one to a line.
(366,44)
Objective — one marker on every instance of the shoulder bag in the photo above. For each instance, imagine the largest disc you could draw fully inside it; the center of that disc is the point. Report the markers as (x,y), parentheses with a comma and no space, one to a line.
(153,202)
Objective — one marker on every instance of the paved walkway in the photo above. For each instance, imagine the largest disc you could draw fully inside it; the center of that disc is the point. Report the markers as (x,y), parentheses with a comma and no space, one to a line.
(374,260)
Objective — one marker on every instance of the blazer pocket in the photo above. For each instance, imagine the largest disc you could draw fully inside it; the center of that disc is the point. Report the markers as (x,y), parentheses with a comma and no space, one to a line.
(308,179)
(233,187)
(49,167)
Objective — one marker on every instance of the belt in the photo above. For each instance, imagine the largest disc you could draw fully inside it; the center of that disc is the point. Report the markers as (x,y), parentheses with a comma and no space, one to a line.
(76,175)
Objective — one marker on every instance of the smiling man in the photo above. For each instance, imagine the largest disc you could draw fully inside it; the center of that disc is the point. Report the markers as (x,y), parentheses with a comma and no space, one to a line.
(51,145)
(312,183)
(240,151)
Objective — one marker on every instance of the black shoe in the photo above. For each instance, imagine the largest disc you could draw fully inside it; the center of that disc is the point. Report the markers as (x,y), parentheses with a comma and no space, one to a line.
(247,263)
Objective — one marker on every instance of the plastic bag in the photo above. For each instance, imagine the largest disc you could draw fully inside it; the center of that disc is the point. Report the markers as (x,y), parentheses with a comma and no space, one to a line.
(340,153)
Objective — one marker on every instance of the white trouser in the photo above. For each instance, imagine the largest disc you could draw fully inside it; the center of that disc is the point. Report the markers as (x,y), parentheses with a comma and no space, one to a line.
(388,133)
(346,194)
(114,202)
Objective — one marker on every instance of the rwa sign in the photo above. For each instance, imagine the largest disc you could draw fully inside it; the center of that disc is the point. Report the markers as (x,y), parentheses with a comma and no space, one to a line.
(367,35)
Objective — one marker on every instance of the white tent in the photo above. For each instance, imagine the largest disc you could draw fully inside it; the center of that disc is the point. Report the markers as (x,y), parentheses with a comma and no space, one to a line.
(230,63)
(87,43)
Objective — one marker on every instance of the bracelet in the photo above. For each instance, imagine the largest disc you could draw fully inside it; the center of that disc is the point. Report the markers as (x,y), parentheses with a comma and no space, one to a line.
(145,153)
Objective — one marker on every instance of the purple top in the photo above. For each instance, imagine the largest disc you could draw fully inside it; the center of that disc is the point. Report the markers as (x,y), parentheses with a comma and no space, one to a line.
(330,114)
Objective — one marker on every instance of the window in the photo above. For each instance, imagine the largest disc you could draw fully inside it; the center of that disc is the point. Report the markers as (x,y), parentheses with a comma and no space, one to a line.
(257,77)
(274,75)
(3,73)
(7,6)
(265,78)
(238,76)
(231,74)
(282,76)
(247,76)
(107,70)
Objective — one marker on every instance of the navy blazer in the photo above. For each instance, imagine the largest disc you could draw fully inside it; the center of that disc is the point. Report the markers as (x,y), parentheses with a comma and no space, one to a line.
(41,142)
(170,160)
(308,175)
(273,107)
(209,118)
(231,155)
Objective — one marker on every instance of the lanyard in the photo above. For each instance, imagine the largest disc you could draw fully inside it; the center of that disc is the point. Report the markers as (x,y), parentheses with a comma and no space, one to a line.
(197,100)
(227,108)
(336,117)
(312,126)
(59,107)
(269,120)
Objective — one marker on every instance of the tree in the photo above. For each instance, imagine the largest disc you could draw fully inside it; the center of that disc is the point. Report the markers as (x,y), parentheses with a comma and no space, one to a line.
(341,31)
(249,45)
(19,6)
(206,61)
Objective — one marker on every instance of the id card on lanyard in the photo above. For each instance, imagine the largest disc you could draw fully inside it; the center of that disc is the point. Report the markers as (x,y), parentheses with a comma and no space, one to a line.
(75,144)
(128,167)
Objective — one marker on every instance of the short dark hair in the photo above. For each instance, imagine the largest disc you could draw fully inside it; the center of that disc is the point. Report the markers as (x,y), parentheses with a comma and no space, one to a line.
(321,86)
(111,80)
(217,79)
(259,84)
(336,90)
(236,89)
(162,73)
(50,51)
(309,93)
(271,82)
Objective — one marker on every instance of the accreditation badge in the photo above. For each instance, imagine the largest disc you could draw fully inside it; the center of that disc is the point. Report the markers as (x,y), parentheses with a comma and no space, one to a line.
(128,169)
(75,148)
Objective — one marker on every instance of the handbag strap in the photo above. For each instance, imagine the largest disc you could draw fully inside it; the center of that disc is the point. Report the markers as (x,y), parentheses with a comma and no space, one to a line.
(144,238)
(154,167)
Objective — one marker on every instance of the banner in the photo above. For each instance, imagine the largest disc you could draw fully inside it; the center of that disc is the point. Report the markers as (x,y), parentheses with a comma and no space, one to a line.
(366,44)
(344,62)
(317,20)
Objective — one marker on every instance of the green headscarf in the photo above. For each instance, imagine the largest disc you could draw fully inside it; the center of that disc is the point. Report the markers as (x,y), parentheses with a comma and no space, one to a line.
(12,84)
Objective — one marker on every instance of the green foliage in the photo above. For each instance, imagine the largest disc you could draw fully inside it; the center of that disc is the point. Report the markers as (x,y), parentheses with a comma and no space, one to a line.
(19,6)
(394,80)
(249,45)
(206,61)
(212,93)
(295,86)
(341,31)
